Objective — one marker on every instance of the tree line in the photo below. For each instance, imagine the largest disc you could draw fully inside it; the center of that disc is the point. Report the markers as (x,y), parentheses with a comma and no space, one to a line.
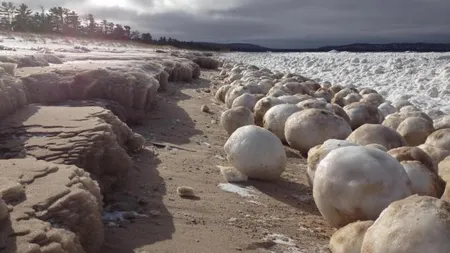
(63,21)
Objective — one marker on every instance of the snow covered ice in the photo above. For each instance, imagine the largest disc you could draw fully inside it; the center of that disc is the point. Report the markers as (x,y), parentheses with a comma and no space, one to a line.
(422,78)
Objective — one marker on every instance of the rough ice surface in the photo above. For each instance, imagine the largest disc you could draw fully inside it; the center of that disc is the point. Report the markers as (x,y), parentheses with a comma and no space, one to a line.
(280,239)
(423,78)
(242,191)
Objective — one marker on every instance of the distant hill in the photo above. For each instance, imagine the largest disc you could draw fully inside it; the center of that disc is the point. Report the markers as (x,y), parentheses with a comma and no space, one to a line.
(357,47)
(392,47)
(246,47)
(236,47)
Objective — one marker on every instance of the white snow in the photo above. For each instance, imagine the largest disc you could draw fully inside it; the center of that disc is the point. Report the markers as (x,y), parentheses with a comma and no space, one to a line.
(424,78)
(70,48)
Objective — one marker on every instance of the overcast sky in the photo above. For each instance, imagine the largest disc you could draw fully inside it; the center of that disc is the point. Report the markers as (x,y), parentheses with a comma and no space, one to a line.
(276,23)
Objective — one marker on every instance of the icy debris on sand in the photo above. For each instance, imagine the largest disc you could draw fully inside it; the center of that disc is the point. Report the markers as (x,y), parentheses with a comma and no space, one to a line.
(119,216)
(232,175)
(245,192)
(280,239)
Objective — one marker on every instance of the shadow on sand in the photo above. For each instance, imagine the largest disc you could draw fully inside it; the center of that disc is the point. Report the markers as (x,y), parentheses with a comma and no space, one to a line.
(7,241)
(291,193)
(157,225)
(166,123)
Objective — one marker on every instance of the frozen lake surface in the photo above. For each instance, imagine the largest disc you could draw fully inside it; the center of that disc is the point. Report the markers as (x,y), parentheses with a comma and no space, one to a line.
(422,78)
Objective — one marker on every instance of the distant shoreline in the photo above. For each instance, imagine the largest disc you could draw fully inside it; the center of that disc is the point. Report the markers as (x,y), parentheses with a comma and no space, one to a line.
(356,48)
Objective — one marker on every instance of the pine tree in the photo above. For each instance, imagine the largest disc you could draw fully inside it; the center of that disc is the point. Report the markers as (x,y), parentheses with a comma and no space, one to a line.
(22,18)
(57,19)
(127,32)
(92,25)
(104,24)
(7,11)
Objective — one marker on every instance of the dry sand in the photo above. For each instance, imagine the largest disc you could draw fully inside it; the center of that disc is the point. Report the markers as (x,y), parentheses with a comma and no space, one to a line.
(184,146)
(276,217)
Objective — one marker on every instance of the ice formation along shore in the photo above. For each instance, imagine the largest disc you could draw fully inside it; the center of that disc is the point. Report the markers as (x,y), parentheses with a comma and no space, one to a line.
(423,78)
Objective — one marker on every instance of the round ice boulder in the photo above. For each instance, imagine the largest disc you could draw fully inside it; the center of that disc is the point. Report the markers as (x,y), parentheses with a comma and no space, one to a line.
(416,224)
(278,91)
(349,239)
(377,134)
(365,91)
(290,99)
(311,127)
(421,170)
(361,113)
(415,130)
(352,98)
(358,183)
(296,87)
(256,152)
(409,108)
(233,93)
(373,98)
(444,173)
(314,103)
(337,109)
(247,100)
(324,93)
(317,153)
(440,139)
(221,92)
(401,103)
(436,154)
(236,117)
(442,122)
(275,118)
(262,106)
(386,109)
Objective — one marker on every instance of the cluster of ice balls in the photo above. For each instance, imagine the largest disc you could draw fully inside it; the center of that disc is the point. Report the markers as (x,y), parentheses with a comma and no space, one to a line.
(366,155)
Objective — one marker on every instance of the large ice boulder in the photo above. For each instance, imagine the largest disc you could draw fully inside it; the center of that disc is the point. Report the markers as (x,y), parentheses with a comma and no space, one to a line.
(311,127)
(358,183)
(256,152)
(417,224)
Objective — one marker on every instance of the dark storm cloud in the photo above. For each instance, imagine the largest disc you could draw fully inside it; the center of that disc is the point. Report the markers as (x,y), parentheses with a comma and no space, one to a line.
(36,4)
(283,23)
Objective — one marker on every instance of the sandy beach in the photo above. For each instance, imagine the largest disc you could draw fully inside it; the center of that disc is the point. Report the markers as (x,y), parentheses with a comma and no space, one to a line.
(118,148)
(182,146)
